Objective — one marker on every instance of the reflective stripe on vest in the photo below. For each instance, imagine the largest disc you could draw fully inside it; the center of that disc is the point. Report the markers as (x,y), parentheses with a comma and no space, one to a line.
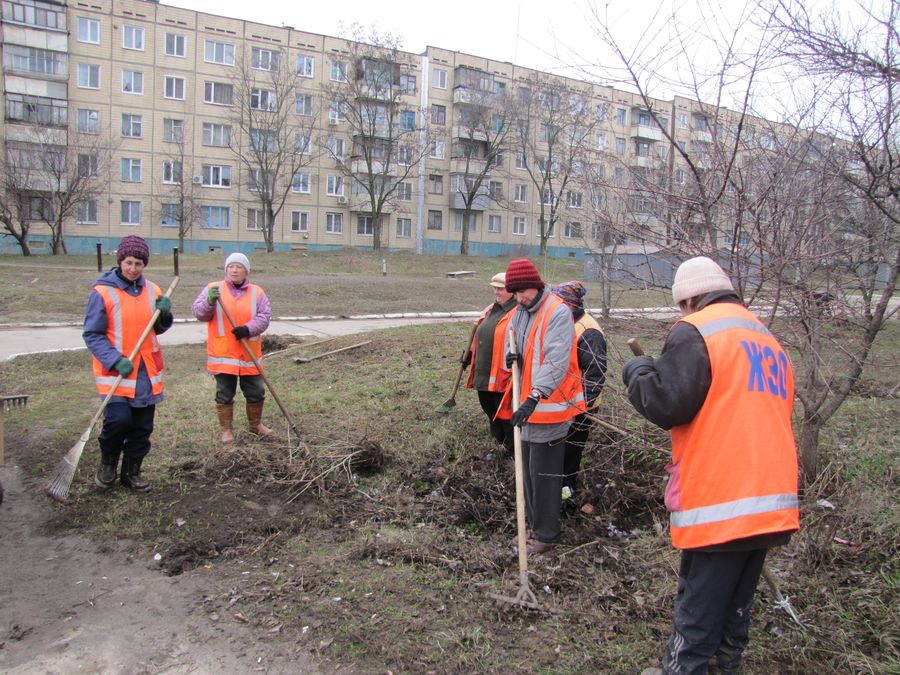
(498,379)
(748,506)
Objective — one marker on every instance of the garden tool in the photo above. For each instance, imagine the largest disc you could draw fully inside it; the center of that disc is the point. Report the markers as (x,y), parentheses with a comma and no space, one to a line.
(451,402)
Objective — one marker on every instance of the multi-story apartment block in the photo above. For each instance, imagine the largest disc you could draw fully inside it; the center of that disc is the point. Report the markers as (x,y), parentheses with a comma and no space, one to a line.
(171,107)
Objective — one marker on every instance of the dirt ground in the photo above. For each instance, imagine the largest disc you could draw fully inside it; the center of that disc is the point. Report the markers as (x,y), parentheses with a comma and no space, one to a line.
(71,606)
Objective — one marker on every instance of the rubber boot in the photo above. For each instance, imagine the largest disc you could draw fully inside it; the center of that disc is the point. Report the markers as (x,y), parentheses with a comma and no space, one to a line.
(131,475)
(105,478)
(254,419)
(226,416)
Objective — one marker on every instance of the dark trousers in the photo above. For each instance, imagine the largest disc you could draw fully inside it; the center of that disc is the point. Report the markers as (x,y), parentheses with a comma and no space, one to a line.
(252,386)
(712,610)
(575,442)
(501,430)
(126,430)
(543,464)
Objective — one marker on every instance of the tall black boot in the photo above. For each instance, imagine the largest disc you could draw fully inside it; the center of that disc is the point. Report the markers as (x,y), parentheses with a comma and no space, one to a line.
(105,478)
(131,475)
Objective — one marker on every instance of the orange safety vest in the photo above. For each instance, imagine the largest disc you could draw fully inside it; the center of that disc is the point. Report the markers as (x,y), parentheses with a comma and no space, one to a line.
(126,317)
(587,321)
(734,466)
(567,400)
(499,376)
(224,352)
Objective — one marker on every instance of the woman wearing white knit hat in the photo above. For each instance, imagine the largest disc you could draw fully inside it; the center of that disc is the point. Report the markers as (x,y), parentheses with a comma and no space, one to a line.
(724,387)
(227,357)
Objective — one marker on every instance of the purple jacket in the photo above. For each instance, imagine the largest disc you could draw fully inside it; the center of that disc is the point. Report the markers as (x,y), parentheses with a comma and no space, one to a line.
(203,311)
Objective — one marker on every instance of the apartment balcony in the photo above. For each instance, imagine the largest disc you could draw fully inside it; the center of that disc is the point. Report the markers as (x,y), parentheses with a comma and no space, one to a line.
(701,136)
(358,165)
(469,96)
(645,162)
(647,133)
(361,203)
(474,165)
(468,133)
(482,201)
(377,130)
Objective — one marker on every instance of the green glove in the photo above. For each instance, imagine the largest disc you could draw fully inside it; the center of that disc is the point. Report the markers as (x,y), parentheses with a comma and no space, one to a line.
(164,305)
(124,367)
(214,294)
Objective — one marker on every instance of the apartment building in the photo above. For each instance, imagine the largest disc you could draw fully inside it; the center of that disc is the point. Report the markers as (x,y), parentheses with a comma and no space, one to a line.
(151,91)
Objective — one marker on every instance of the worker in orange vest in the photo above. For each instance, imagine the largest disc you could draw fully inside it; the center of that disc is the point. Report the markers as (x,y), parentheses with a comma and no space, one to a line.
(489,375)
(551,384)
(724,387)
(118,309)
(226,356)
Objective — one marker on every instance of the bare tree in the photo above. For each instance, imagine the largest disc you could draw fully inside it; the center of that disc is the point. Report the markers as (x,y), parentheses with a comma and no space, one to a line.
(177,199)
(21,186)
(554,125)
(481,135)
(373,95)
(274,136)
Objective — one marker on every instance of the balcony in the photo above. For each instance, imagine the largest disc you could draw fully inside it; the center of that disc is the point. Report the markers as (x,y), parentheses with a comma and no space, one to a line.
(482,201)
(469,96)
(361,203)
(468,133)
(702,136)
(358,165)
(647,132)
(474,165)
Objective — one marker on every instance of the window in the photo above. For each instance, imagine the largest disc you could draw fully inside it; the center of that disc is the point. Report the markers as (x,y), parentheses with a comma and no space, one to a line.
(520,160)
(257,219)
(521,192)
(175,44)
(132,125)
(173,130)
(171,171)
(174,87)
(335,186)
(87,212)
(130,170)
(682,121)
(334,223)
(573,199)
(458,221)
(438,149)
(169,215)
(495,189)
(37,109)
(335,147)
(35,60)
(404,191)
(258,180)
(435,220)
(518,225)
(133,37)
(404,155)
(601,142)
(642,148)
(440,78)
(408,120)
(130,212)
(572,231)
(339,71)
(218,93)
(87,121)
(216,217)
(436,184)
(263,99)
(305,65)
(365,225)
(337,111)
(620,146)
(303,104)
(621,116)
(133,81)
(88,165)
(34,14)
(218,52)
(88,30)
(679,176)
(438,114)
(547,197)
(299,221)
(407,84)
(602,112)
(88,76)
(494,224)
(302,143)
(300,182)
(218,135)
(264,59)
(216,175)
(404,228)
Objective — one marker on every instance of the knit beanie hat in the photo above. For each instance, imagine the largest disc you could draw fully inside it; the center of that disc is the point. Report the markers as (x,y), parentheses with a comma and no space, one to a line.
(133,246)
(521,274)
(238,258)
(572,293)
(699,276)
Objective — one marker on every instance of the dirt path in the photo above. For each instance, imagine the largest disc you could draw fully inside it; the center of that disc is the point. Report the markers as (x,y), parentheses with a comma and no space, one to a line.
(68,607)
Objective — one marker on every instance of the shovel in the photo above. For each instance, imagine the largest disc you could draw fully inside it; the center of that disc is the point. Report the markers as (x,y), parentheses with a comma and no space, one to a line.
(451,402)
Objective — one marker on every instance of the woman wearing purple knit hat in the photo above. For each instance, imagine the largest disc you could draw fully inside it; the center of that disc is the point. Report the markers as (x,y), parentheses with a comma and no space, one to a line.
(119,307)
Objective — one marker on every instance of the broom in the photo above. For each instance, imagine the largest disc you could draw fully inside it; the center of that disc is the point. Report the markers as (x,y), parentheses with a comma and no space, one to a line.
(61,481)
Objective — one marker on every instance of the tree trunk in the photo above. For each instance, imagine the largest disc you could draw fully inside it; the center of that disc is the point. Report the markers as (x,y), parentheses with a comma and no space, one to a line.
(181,242)
(464,239)
(809,450)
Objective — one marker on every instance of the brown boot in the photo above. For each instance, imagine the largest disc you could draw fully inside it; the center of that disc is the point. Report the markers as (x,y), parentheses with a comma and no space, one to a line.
(226,415)
(254,418)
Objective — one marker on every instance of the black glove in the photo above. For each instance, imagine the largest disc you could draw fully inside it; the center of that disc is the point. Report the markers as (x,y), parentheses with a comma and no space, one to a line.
(240,332)
(521,415)
(513,358)
(466,358)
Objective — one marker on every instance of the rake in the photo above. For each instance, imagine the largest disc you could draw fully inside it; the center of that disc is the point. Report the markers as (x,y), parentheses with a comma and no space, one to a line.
(61,481)
(451,402)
